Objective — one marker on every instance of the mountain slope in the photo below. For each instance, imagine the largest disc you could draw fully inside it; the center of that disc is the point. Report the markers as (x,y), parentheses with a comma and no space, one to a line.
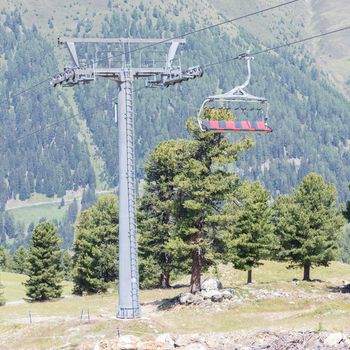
(298,20)
(308,114)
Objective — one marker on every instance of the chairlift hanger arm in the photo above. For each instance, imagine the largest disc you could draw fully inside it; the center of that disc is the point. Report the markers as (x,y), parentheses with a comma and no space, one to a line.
(236,95)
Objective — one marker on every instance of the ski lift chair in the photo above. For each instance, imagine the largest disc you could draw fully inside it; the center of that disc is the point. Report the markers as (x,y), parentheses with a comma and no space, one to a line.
(241,100)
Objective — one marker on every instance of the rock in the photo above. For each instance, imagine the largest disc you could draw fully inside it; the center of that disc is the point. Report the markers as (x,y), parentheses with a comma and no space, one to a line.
(211,293)
(167,340)
(186,298)
(107,345)
(226,294)
(195,346)
(333,339)
(186,339)
(128,342)
(211,284)
(218,298)
(347,342)
(151,345)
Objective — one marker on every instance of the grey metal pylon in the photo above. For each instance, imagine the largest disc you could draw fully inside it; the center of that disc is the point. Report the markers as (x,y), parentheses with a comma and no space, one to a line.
(129,306)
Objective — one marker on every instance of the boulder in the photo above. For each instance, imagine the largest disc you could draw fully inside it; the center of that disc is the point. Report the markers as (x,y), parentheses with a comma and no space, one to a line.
(186,298)
(107,345)
(152,345)
(211,284)
(226,294)
(167,340)
(128,342)
(211,293)
(333,339)
(183,340)
(217,298)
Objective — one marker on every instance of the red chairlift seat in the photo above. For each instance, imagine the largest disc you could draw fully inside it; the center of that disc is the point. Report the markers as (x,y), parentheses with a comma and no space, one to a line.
(258,126)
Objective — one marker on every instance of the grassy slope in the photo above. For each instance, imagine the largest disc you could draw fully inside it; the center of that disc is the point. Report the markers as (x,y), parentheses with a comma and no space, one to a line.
(29,214)
(305,306)
(304,18)
(14,289)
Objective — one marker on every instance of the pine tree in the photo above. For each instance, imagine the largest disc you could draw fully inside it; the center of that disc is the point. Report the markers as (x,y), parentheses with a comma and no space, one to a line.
(344,245)
(44,264)
(6,261)
(308,224)
(203,184)
(66,265)
(2,297)
(95,260)
(156,226)
(199,182)
(245,221)
(20,260)
(9,225)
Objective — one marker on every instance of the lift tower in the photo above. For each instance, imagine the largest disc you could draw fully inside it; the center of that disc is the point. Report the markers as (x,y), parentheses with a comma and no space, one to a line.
(129,306)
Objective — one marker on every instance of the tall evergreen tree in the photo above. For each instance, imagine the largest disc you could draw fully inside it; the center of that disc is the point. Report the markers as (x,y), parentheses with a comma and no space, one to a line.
(199,185)
(203,184)
(344,245)
(66,265)
(6,262)
(95,260)
(44,264)
(246,224)
(2,297)
(88,198)
(308,224)
(9,225)
(156,226)
(66,226)
(20,260)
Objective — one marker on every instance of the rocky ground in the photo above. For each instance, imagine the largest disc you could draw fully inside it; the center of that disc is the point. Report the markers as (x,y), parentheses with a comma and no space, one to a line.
(277,311)
(282,340)
(212,296)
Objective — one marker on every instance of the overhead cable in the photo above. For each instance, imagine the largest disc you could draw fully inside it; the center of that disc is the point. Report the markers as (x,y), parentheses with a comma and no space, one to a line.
(205,66)
(280,46)
(175,37)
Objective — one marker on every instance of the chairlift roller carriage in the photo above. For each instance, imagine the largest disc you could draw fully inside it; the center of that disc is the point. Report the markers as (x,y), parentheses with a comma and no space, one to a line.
(238,100)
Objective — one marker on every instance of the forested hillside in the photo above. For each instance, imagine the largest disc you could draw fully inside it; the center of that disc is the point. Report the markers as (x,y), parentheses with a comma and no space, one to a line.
(308,115)
(49,162)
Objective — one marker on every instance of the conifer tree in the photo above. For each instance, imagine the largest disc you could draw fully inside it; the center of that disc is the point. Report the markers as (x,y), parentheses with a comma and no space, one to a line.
(44,264)
(156,226)
(2,297)
(308,224)
(6,261)
(95,260)
(204,183)
(66,265)
(20,260)
(198,186)
(245,220)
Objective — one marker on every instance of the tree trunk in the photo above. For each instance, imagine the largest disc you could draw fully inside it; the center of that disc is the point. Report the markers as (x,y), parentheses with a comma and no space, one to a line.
(249,279)
(307,267)
(196,270)
(164,279)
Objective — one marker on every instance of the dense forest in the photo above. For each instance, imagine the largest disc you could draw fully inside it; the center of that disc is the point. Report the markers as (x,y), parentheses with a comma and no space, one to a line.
(49,162)
(307,114)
